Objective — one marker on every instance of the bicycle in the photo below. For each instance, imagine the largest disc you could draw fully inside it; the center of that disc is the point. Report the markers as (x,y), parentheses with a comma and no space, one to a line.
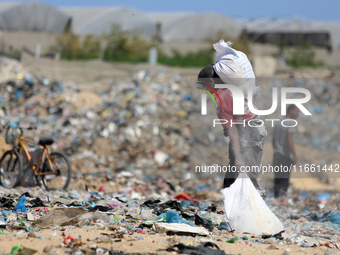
(53,168)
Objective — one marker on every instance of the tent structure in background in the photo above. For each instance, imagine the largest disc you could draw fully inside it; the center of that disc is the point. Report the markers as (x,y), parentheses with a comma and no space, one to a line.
(33,26)
(34,17)
(195,26)
(293,31)
(99,20)
(6,5)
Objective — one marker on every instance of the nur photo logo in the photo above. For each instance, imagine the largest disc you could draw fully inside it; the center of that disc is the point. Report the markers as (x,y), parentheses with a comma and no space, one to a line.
(286,96)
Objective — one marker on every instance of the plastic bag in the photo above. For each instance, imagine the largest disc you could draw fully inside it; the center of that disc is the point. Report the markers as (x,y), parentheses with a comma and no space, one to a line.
(246,210)
(10,137)
(161,227)
(172,217)
(234,67)
(60,217)
(231,63)
(21,204)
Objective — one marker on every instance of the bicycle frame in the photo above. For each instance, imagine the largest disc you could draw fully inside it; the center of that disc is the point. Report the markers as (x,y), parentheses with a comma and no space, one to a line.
(44,154)
(20,162)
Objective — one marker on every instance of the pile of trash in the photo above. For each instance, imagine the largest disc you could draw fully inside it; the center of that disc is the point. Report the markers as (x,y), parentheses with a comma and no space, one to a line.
(310,221)
(323,105)
(131,185)
(128,127)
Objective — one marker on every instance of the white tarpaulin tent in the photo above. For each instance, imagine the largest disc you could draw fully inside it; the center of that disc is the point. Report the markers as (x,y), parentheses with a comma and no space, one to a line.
(33,16)
(99,20)
(195,27)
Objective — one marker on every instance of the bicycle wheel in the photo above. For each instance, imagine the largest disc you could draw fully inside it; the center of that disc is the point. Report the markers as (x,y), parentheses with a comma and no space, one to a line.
(10,169)
(61,170)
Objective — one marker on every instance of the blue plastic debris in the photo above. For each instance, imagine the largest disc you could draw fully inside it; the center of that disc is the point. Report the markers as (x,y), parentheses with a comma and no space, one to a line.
(185,203)
(298,84)
(21,204)
(305,195)
(317,142)
(203,188)
(277,83)
(161,216)
(136,229)
(225,226)
(4,213)
(323,196)
(332,217)
(18,94)
(172,217)
(257,241)
(29,80)
(203,207)
(186,97)
(318,109)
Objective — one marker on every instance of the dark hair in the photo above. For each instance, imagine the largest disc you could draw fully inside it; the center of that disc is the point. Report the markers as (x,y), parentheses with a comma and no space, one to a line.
(290,107)
(208,72)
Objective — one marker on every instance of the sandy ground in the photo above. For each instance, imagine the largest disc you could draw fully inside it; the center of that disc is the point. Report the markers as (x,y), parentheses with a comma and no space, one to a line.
(155,243)
(94,75)
(152,243)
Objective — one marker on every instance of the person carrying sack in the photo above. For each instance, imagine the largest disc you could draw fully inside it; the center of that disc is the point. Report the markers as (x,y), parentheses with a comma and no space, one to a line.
(246,142)
(245,209)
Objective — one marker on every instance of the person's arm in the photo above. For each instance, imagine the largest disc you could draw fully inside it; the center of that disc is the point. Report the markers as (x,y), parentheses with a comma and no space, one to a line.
(226,112)
(292,147)
(235,141)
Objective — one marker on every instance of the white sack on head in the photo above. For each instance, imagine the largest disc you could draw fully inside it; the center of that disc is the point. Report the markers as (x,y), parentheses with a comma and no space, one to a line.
(233,66)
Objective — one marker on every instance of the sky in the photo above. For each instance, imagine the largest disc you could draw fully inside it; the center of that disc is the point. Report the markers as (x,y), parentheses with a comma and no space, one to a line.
(318,10)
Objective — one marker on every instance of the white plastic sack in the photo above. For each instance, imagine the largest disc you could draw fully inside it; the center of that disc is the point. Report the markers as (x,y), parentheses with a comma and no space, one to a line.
(246,210)
(233,66)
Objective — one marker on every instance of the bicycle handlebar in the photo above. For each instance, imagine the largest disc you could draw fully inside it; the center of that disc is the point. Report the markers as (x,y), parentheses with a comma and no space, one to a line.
(21,128)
